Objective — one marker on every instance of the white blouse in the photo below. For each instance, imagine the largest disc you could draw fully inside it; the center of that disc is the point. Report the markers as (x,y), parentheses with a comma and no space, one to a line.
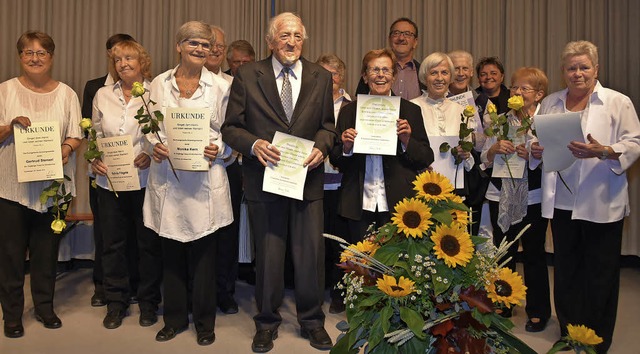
(114,116)
(62,105)
(199,203)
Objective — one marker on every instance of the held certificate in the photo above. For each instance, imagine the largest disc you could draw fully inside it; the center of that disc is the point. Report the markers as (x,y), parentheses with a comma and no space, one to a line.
(555,132)
(444,163)
(503,163)
(38,152)
(287,178)
(376,118)
(118,156)
(466,99)
(187,131)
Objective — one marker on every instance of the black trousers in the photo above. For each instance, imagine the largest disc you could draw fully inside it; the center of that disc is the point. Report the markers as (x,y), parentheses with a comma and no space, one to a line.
(536,274)
(25,229)
(272,224)
(334,224)
(183,262)
(227,257)
(122,224)
(587,273)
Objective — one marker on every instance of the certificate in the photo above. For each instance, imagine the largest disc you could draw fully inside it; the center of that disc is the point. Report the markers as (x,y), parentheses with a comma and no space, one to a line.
(287,177)
(466,99)
(187,131)
(118,156)
(510,165)
(555,132)
(38,154)
(376,118)
(444,163)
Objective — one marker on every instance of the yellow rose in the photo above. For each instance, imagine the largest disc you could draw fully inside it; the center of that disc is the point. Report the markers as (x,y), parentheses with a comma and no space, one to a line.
(491,108)
(515,102)
(58,225)
(137,90)
(469,111)
(86,123)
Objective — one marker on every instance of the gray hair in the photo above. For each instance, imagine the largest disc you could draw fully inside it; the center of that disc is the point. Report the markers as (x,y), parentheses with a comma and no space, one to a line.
(277,21)
(430,62)
(462,54)
(580,48)
(195,29)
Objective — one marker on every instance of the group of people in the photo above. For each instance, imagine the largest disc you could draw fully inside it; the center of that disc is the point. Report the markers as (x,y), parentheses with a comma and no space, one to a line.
(179,230)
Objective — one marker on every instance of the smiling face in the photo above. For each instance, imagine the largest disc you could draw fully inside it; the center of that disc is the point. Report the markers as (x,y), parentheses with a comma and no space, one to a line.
(462,74)
(193,51)
(402,40)
(490,79)
(579,73)
(127,65)
(217,54)
(438,79)
(287,42)
(35,60)
(379,76)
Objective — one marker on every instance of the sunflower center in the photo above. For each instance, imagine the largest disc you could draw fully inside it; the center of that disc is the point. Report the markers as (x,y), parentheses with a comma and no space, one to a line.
(503,288)
(450,245)
(432,188)
(411,219)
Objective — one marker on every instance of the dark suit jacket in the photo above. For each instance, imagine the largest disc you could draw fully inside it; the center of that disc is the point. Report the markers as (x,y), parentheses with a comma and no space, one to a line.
(399,171)
(90,89)
(364,88)
(255,112)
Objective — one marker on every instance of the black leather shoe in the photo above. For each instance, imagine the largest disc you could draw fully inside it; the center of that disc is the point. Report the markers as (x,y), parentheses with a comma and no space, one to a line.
(539,326)
(148,318)
(318,338)
(13,330)
(263,340)
(50,321)
(228,305)
(168,333)
(98,300)
(337,306)
(206,337)
(113,319)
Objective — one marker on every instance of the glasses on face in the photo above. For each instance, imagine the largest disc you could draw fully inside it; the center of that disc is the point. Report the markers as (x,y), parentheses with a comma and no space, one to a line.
(407,34)
(193,44)
(523,89)
(28,54)
(377,71)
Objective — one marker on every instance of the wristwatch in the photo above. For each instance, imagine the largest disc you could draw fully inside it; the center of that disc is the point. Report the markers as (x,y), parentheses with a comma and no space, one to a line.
(605,153)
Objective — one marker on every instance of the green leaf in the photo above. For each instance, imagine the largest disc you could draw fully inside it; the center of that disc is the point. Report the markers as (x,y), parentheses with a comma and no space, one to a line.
(413,320)
(488,132)
(371,300)
(385,315)
(342,346)
(144,120)
(442,272)
(146,129)
(443,216)
(513,342)
(388,254)
(43,198)
(159,115)
(376,335)
(466,145)
(140,111)
(444,147)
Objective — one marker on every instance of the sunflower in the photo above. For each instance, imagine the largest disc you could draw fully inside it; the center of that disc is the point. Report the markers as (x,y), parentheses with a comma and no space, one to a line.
(507,288)
(366,247)
(433,186)
(583,335)
(456,198)
(388,285)
(453,245)
(460,217)
(412,217)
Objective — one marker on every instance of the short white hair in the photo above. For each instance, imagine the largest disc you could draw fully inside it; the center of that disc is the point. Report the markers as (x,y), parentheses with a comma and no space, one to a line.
(276,21)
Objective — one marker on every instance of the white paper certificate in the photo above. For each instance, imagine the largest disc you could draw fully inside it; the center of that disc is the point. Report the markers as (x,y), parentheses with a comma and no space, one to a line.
(444,163)
(187,131)
(466,99)
(38,155)
(376,118)
(511,165)
(118,156)
(288,176)
(555,132)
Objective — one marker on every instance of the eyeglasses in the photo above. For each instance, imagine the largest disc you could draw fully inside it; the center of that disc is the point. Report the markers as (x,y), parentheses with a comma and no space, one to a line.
(385,71)
(407,34)
(523,89)
(193,44)
(30,53)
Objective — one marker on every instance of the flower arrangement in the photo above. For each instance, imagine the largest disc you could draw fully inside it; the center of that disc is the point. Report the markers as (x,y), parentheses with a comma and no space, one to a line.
(580,338)
(149,123)
(93,152)
(423,284)
(57,192)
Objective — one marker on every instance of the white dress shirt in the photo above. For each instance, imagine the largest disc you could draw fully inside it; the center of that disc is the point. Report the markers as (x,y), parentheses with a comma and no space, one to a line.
(114,116)
(328,168)
(199,203)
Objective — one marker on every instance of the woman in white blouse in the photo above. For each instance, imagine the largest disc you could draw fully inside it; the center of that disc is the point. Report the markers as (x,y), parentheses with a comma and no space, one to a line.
(32,97)
(114,109)
(187,212)
(587,218)
(513,204)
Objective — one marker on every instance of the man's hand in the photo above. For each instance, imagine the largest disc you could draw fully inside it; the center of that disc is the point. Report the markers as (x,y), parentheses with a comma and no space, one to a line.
(315,159)
(266,152)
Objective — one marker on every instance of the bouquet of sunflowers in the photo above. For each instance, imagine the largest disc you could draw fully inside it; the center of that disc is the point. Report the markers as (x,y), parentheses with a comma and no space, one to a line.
(423,284)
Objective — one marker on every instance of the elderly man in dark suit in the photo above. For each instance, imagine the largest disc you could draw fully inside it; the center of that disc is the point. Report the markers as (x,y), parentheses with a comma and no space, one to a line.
(289,94)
